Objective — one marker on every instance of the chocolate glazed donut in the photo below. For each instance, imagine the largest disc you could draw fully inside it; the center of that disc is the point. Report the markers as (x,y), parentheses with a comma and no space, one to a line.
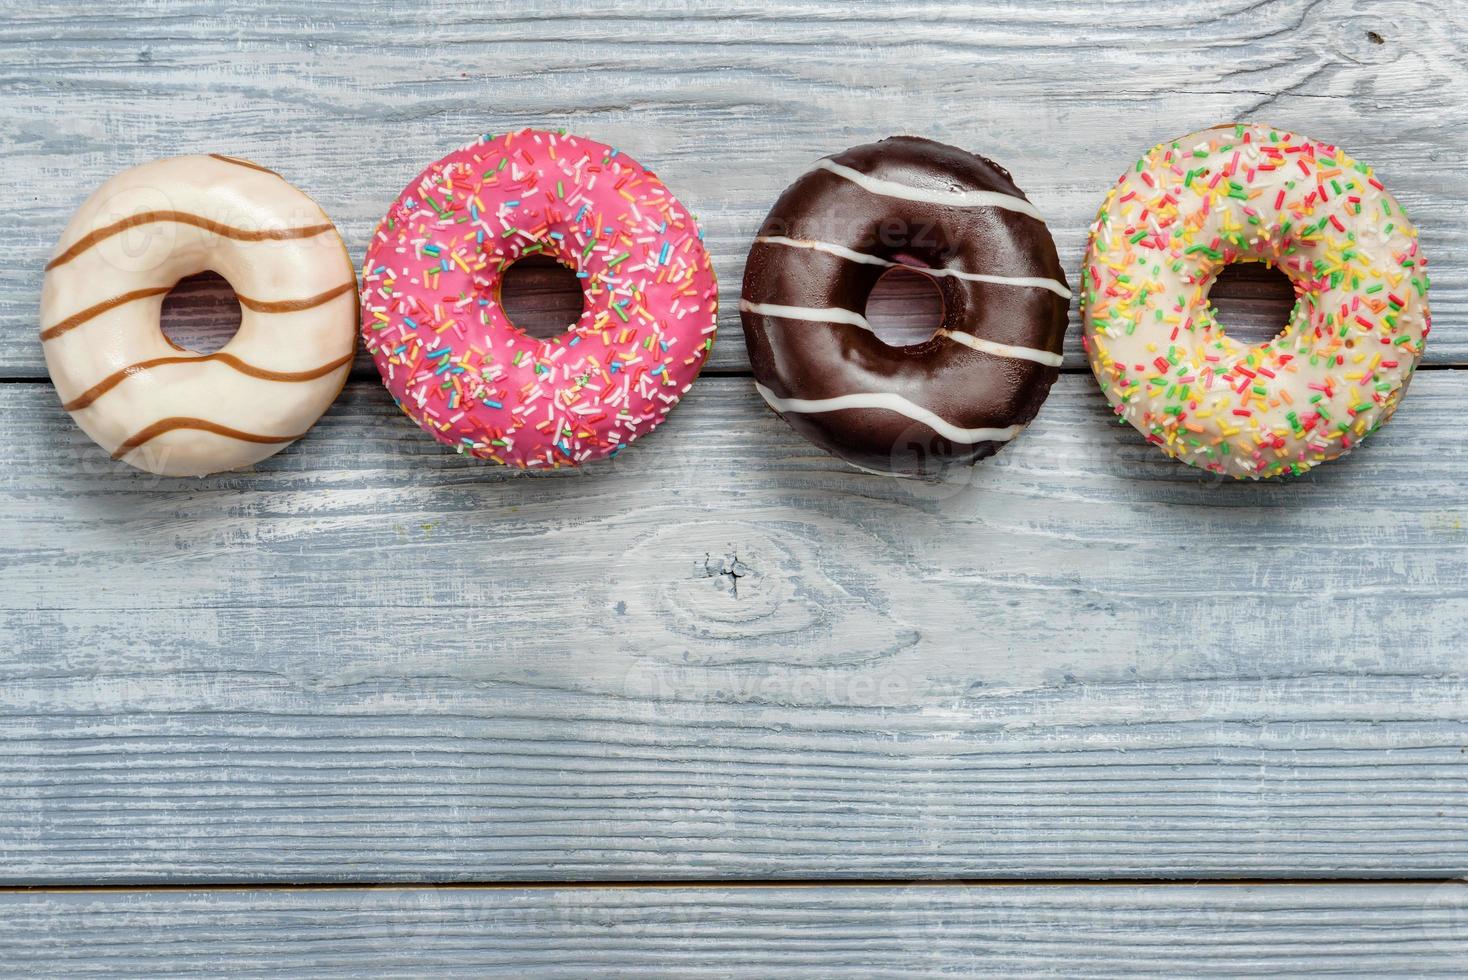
(955,398)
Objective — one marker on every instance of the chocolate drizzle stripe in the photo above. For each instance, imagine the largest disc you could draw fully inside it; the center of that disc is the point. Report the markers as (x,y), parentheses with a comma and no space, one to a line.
(893,403)
(258,305)
(294,305)
(821,314)
(244,163)
(1044,357)
(1054,285)
(951,199)
(101,388)
(183,422)
(186,218)
(77,319)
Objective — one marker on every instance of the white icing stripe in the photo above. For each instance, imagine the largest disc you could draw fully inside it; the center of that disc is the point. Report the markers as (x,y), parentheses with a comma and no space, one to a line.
(952,199)
(837,314)
(820,314)
(892,403)
(1040,282)
(829,247)
(1054,285)
(1002,350)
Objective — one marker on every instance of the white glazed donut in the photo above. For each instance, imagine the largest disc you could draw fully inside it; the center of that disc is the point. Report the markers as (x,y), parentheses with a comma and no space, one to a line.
(1241,193)
(172,411)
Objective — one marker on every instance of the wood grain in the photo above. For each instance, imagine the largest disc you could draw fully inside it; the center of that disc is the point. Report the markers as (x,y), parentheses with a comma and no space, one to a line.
(1023,931)
(729,105)
(725,654)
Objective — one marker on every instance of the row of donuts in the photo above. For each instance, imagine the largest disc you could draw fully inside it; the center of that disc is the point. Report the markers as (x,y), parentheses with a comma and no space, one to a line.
(429,308)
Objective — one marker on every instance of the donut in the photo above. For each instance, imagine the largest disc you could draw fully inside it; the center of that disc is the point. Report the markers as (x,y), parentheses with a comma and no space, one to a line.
(158,406)
(1252,193)
(451,358)
(951,215)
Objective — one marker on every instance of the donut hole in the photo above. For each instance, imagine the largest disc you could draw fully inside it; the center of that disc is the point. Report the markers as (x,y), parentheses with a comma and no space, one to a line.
(904,308)
(1252,301)
(541,296)
(200,313)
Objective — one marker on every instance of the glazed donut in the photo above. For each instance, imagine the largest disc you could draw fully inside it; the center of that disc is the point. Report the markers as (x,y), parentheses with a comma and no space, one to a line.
(950,214)
(173,411)
(1248,193)
(453,361)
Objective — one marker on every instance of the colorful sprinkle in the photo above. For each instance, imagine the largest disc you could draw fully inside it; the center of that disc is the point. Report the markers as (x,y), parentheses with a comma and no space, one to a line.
(1253,195)
(453,361)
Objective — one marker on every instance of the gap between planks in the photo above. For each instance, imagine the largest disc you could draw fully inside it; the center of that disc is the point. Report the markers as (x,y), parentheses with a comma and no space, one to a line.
(706,883)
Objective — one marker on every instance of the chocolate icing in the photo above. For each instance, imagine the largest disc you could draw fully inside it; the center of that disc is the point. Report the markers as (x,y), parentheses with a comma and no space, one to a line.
(812,359)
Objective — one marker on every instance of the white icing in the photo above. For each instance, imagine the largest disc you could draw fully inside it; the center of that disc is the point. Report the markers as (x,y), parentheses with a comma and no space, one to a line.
(153,256)
(1002,350)
(891,402)
(837,314)
(1040,282)
(818,314)
(952,199)
(1171,370)
(829,247)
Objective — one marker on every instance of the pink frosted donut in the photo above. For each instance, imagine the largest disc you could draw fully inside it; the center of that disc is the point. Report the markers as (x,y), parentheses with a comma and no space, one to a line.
(432,319)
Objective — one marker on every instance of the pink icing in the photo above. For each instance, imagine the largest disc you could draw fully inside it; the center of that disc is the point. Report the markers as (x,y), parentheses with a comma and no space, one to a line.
(453,361)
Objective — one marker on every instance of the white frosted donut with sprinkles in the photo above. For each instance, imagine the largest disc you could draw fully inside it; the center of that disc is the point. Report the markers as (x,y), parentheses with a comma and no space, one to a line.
(453,361)
(1252,193)
(178,412)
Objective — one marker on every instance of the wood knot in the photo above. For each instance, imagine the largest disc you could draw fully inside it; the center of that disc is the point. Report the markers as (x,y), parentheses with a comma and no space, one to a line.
(726,571)
(747,593)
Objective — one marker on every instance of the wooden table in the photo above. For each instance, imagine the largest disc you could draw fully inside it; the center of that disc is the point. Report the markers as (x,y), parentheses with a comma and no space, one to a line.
(724,705)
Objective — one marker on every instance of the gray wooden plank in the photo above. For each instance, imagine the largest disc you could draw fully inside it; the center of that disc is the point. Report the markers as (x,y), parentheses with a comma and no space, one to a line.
(729,104)
(725,654)
(991,931)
